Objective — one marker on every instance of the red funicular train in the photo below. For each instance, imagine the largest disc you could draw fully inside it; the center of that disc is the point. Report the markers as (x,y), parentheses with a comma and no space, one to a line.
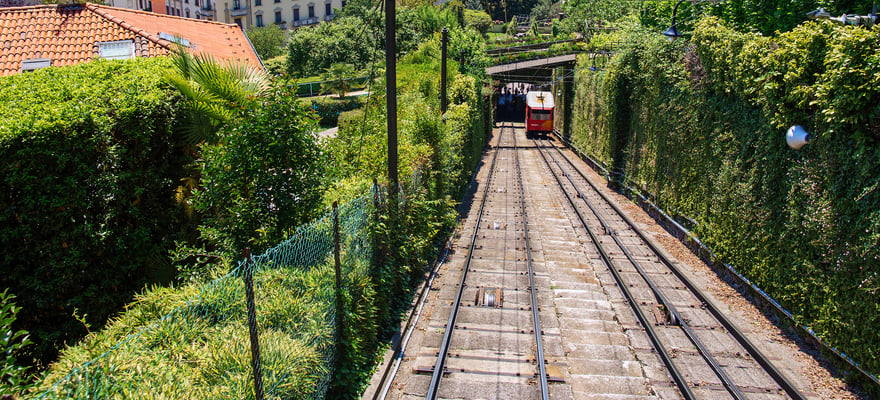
(539,112)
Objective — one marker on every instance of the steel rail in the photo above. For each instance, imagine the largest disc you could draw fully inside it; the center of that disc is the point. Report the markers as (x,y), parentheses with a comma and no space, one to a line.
(677,377)
(753,351)
(437,373)
(677,320)
(539,358)
(434,387)
(391,370)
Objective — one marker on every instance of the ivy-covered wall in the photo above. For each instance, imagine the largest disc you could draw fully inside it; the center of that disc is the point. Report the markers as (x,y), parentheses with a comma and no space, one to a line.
(699,125)
(87,209)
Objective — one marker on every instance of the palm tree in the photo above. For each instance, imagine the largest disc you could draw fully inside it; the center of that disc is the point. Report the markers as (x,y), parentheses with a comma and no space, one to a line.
(336,79)
(214,90)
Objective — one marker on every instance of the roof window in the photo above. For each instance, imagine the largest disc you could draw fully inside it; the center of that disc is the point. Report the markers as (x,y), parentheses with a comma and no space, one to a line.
(174,39)
(35,64)
(117,50)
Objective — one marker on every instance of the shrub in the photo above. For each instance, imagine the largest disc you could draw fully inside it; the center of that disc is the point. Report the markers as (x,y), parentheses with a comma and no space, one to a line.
(276,66)
(265,176)
(341,40)
(87,208)
(329,109)
(268,40)
(13,377)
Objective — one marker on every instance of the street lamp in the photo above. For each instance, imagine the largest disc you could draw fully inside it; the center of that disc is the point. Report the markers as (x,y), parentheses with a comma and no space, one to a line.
(672,33)
(796,137)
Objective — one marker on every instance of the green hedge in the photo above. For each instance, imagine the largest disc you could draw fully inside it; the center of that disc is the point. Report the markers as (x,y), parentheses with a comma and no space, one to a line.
(87,209)
(700,125)
(329,108)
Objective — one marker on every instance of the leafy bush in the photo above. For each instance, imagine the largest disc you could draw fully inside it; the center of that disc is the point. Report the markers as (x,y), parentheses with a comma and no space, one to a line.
(268,40)
(477,20)
(87,207)
(276,66)
(13,378)
(344,39)
(700,127)
(329,109)
(264,178)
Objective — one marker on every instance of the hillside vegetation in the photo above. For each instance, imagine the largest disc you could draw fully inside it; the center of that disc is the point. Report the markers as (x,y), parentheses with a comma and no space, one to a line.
(698,125)
(192,340)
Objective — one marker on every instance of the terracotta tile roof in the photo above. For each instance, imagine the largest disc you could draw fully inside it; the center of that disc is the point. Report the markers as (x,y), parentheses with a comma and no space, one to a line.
(68,34)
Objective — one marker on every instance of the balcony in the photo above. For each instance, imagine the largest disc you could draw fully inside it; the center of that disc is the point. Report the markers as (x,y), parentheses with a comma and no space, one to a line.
(206,12)
(281,24)
(309,21)
(238,11)
(328,18)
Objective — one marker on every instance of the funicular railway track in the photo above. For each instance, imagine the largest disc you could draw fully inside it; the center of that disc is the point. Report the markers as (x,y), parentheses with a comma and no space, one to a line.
(492,344)
(704,353)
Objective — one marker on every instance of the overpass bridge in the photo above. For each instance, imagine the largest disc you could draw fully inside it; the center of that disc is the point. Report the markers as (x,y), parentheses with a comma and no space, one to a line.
(525,71)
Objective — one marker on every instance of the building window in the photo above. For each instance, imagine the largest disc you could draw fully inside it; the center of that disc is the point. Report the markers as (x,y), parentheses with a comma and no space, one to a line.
(118,50)
(186,1)
(311,11)
(236,4)
(187,12)
(35,64)
(258,2)
(238,22)
(196,2)
(277,17)
(343,3)
(328,9)
(296,14)
(259,20)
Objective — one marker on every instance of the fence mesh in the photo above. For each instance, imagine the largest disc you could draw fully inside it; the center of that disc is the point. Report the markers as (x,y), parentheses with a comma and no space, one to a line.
(193,342)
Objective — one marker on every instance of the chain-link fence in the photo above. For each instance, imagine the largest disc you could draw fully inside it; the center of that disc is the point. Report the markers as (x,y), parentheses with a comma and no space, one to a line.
(194,343)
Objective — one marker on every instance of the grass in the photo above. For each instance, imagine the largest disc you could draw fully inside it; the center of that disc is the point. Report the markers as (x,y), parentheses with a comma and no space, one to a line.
(202,350)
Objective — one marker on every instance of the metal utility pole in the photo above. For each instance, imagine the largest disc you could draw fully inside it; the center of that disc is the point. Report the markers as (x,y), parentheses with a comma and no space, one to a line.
(391,95)
(444,39)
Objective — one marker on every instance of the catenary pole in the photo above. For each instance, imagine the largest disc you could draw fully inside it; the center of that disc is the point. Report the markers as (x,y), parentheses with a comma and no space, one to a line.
(391,95)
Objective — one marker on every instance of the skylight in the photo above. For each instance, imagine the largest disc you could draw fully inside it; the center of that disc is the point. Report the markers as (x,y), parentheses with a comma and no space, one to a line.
(174,39)
(117,50)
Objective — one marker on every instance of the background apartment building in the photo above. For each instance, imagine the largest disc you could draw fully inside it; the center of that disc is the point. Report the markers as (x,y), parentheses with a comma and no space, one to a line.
(287,14)
(178,8)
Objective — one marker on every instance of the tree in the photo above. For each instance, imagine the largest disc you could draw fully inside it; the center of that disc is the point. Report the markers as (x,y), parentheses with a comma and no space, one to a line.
(268,41)
(511,27)
(545,9)
(478,20)
(336,79)
(346,39)
(265,176)
(215,91)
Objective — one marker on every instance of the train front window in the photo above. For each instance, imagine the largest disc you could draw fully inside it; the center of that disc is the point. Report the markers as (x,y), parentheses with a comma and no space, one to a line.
(542,115)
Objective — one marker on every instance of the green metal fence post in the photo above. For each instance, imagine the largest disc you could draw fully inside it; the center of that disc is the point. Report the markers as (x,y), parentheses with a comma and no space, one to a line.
(340,311)
(252,324)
